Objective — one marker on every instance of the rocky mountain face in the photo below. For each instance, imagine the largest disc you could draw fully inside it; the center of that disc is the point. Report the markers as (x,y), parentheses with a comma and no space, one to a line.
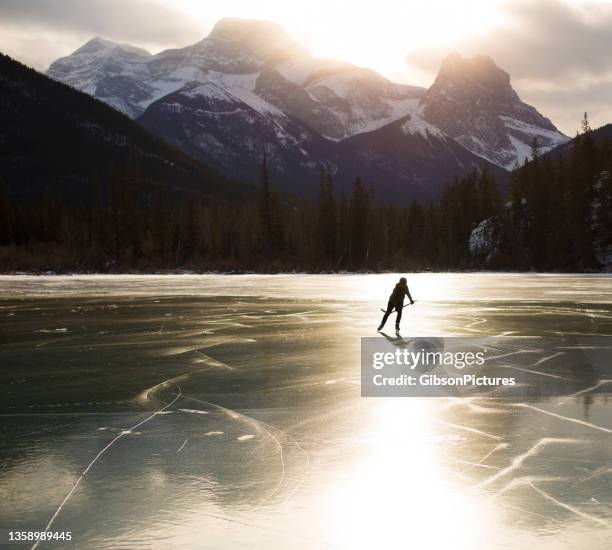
(228,131)
(248,84)
(336,99)
(472,101)
(408,154)
(108,71)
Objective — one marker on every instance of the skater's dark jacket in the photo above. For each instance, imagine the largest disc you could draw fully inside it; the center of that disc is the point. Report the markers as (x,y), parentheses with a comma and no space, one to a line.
(397,296)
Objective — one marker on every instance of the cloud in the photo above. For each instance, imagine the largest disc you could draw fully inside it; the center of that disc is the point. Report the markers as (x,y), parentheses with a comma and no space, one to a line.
(544,39)
(72,22)
(566,105)
(555,52)
(136,20)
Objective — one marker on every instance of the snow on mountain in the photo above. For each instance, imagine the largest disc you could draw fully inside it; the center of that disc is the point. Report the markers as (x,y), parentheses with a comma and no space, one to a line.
(415,124)
(407,159)
(473,101)
(111,72)
(343,100)
(248,84)
(227,130)
(337,99)
(130,79)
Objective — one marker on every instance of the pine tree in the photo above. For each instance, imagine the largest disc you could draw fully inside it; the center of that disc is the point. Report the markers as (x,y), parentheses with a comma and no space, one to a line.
(535,149)
(488,195)
(343,229)
(585,126)
(277,238)
(327,222)
(270,215)
(332,219)
(358,225)
(6,224)
(415,230)
(265,207)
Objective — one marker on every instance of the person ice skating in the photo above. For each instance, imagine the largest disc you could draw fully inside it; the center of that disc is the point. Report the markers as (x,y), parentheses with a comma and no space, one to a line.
(396,301)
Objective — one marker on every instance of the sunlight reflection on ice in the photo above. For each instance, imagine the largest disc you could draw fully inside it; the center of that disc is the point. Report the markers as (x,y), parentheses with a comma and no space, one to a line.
(269,444)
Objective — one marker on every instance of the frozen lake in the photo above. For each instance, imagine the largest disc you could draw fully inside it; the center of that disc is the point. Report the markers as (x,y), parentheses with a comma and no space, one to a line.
(225,412)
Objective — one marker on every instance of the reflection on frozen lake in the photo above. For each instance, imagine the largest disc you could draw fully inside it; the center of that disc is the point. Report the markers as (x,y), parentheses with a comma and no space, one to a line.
(224,412)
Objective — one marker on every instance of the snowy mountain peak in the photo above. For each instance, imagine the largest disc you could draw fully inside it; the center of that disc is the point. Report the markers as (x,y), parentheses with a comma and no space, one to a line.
(99,45)
(106,70)
(94,45)
(472,100)
(480,69)
(253,30)
(244,44)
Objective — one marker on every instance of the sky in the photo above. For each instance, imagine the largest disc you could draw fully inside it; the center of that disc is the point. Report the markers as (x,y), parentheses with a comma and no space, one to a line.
(557,52)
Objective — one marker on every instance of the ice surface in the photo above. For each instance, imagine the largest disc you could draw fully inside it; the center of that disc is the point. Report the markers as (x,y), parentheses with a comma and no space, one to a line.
(596,288)
(104,432)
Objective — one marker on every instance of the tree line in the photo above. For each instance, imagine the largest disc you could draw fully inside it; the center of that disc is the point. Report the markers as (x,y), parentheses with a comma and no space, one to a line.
(554,215)
(125,231)
(559,212)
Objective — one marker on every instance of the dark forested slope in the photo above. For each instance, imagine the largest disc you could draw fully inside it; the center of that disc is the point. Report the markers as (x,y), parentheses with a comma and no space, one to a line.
(55,140)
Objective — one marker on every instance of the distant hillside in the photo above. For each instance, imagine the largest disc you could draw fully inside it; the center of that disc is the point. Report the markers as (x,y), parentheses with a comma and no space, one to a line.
(599,136)
(55,140)
(559,212)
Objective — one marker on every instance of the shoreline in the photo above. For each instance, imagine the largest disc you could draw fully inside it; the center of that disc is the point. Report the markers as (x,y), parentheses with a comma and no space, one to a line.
(175,273)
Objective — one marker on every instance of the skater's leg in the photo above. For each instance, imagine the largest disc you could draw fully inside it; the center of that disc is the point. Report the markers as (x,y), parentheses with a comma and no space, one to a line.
(398,318)
(386,316)
(384,319)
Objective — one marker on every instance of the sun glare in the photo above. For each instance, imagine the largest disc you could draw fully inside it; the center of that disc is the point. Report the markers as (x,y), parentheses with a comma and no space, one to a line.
(401,489)
(377,36)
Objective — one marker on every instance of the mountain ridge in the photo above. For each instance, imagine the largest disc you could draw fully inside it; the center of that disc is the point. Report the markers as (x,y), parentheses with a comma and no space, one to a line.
(473,101)
(306,100)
